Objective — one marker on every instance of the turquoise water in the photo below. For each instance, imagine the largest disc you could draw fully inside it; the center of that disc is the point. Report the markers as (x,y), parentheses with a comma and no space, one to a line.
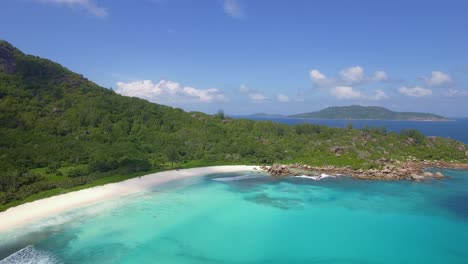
(259,220)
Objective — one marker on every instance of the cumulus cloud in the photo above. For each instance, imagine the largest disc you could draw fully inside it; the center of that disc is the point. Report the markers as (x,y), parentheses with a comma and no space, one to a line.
(244,89)
(205,96)
(283,98)
(320,79)
(253,95)
(88,5)
(352,74)
(316,75)
(168,92)
(379,95)
(346,92)
(344,85)
(233,8)
(438,78)
(415,91)
(350,93)
(380,76)
(456,92)
(257,97)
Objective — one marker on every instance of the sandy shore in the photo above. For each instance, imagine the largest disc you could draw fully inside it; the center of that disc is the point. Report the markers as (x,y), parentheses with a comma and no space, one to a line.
(33,211)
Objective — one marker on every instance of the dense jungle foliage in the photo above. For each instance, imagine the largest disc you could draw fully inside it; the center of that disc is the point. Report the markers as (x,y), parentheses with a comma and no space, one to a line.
(59,130)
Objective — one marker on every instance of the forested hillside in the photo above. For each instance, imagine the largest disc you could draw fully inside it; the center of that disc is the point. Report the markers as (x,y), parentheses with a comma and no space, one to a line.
(59,130)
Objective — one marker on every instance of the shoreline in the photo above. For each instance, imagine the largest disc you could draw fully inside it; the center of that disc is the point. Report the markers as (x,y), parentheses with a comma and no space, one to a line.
(352,119)
(359,119)
(43,208)
(389,170)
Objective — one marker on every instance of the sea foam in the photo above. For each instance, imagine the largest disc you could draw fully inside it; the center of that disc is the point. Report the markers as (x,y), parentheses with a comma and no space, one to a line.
(316,178)
(239,178)
(30,255)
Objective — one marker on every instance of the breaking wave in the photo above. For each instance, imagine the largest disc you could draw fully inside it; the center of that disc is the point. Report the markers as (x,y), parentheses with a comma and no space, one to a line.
(316,178)
(30,255)
(239,178)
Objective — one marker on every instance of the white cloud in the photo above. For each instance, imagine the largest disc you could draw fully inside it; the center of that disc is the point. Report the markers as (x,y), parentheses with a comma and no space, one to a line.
(168,92)
(88,5)
(349,76)
(257,97)
(205,96)
(415,91)
(244,89)
(350,93)
(456,92)
(233,8)
(320,79)
(438,78)
(283,98)
(343,87)
(316,75)
(352,74)
(379,95)
(253,95)
(380,76)
(346,92)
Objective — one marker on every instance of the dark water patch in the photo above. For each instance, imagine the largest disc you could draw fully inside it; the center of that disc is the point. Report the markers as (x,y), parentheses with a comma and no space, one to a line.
(284,203)
(457,205)
(100,253)
(59,240)
(182,250)
(317,199)
(316,260)
(21,241)
(248,185)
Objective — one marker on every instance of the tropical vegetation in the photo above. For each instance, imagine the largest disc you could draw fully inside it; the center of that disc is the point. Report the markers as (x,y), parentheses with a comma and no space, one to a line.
(61,132)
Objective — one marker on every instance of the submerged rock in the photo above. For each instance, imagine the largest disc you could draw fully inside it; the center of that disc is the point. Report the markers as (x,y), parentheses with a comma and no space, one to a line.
(439,175)
(416,177)
(284,203)
(428,174)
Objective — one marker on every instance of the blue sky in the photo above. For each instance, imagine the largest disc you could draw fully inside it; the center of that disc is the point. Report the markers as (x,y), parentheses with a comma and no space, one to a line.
(247,56)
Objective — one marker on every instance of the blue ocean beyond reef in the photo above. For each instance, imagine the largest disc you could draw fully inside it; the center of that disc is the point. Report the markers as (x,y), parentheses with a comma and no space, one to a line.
(456,129)
(254,218)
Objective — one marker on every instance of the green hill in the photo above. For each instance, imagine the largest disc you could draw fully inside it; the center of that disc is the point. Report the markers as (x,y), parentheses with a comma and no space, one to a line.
(61,132)
(368,112)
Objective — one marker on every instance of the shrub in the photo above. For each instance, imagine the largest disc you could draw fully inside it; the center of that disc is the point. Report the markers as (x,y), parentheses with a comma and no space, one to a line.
(414,134)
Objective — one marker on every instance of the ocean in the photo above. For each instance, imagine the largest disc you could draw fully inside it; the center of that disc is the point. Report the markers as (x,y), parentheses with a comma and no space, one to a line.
(456,129)
(253,218)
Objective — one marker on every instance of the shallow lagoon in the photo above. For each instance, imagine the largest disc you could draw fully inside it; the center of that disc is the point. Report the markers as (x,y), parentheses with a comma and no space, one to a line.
(259,220)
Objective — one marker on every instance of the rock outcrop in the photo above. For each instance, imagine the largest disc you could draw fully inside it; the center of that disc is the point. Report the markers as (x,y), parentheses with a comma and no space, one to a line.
(7,59)
(337,150)
(390,170)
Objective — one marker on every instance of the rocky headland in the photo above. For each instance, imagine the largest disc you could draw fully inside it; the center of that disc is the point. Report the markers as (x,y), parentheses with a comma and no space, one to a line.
(388,170)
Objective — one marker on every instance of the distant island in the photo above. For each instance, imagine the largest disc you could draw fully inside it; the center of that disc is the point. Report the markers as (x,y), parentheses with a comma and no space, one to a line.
(368,113)
(265,115)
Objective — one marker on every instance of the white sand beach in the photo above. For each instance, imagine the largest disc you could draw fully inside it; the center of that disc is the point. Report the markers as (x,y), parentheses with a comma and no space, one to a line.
(33,211)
